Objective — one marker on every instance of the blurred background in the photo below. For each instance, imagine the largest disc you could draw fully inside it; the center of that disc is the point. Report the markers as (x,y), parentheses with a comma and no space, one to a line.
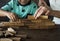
(3,2)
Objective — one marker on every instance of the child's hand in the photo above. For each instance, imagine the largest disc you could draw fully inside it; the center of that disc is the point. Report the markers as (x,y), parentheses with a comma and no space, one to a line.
(12,16)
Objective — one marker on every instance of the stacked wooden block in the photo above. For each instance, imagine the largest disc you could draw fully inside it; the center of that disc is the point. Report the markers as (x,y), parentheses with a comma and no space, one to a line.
(41,23)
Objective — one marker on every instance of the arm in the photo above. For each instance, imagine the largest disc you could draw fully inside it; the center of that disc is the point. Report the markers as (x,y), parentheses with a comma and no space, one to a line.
(6,11)
(52,12)
(5,8)
(3,13)
(10,15)
(47,11)
(55,13)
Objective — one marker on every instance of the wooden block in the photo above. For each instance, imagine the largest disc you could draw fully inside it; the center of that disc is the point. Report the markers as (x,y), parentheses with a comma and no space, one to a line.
(41,27)
(5,39)
(10,39)
(15,38)
(1,34)
(30,17)
(41,17)
(11,24)
(22,35)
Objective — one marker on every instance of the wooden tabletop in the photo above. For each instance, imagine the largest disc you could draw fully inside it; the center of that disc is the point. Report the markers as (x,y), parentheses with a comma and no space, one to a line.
(40,34)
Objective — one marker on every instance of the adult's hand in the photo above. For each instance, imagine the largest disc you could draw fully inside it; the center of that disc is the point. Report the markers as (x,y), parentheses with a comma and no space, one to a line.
(41,10)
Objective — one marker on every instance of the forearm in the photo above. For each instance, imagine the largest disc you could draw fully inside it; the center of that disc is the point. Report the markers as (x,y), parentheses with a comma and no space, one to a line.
(10,15)
(4,13)
(55,13)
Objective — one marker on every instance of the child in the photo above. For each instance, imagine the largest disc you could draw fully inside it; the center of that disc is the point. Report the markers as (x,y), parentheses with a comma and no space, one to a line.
(21,8)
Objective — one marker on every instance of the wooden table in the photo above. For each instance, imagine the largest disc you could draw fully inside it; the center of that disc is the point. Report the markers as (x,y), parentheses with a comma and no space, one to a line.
(43,35)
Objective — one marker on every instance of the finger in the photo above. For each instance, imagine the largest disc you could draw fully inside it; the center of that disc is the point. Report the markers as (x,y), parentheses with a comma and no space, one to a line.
(39,14)
(14,18)
(41,11)
(11,17)
(37,11)
(47,12)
